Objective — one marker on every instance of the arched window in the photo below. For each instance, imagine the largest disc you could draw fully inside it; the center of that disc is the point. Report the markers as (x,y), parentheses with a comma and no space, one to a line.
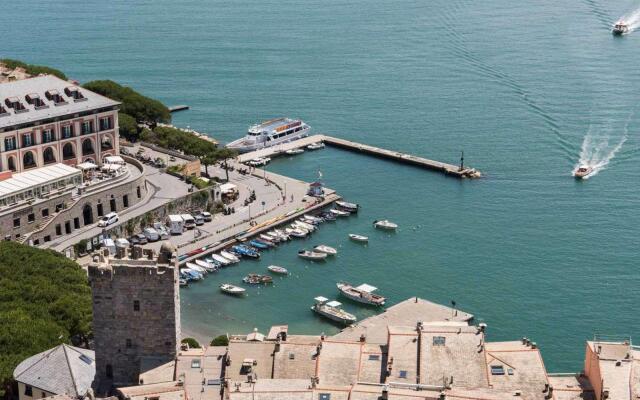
(49,156)
(12,164)
(28,160)
(87,147)
(68,152)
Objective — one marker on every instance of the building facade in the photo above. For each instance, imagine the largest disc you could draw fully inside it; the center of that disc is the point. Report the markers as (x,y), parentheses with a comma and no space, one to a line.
(136,314)
(46,120)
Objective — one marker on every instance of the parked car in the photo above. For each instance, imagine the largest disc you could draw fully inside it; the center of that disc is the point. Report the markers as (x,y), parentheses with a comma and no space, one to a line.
(138,239)
(151,234)
(207,216)
(162,230)
(199,219)
(108,219)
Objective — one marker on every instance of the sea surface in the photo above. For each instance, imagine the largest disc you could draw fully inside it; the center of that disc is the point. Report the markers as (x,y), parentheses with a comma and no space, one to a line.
(526,89)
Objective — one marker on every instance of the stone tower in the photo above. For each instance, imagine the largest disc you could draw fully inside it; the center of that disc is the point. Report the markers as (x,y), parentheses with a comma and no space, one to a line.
(136,314)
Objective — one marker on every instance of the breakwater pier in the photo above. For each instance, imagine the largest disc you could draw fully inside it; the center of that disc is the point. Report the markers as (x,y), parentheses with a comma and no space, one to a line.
(458,171)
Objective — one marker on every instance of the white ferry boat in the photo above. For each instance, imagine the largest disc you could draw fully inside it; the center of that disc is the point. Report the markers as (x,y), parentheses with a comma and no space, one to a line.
(271,133)
(332,310)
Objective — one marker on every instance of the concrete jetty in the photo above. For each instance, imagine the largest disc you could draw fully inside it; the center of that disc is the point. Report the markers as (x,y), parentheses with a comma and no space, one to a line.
(448,169)
(177,108)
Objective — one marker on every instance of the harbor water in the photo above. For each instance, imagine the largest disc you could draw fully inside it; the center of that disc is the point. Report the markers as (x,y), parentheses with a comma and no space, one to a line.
(527,90)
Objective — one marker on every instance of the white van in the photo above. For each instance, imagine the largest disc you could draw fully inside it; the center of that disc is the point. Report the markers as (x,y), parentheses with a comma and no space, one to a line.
(176,225)
(151,234)
(108,219)
(189,221)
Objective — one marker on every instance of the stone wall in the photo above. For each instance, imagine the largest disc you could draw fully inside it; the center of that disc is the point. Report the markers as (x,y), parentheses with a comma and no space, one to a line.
(135,318)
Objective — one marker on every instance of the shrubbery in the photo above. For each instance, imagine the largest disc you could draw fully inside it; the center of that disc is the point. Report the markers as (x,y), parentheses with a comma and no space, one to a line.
(45,300)
(33,69)
(193,344)
(221,340)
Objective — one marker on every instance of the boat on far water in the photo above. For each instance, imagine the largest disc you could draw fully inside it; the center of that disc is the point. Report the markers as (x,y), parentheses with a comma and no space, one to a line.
(620,28)
(316,146)
(322,248)
(257,279)
(332,311)
(362,294)
(358,238)
(271,133)
(293,152)
(232,289)
(582,172)
(278,270)
(385,224)
(351,207)
(339,213)
(312,255)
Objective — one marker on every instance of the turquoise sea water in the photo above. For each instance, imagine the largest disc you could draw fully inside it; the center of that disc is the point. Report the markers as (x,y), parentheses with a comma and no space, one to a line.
(524,88)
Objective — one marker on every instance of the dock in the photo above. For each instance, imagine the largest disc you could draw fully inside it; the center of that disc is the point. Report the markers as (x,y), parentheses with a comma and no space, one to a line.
(458,171)
(179,107)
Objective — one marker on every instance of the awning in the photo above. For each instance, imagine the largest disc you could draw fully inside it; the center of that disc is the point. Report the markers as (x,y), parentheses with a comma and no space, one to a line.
(111,167)
(366,288)
(228,188)
(87,166)
(113,160)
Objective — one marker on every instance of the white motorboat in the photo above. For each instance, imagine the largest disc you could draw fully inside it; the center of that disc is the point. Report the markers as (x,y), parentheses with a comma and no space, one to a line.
(305,225)
(358,238)
(385,224)
(330,251)
(339,213)
(295,232)
(351,207)
(196,267)
(582,172)
(282,234)
(312,255)
(316,146)
(271,133)
(229,256)
(259,162)
(232,289)
(332,311)
(209,267)
(271,237)
(313,218)
(278,270)
(293,152)
(620,28)
(222,260)
(362,294)
(196,275)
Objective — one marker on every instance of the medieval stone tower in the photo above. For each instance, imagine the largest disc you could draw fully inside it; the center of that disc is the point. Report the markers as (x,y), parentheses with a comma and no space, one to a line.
(136,314)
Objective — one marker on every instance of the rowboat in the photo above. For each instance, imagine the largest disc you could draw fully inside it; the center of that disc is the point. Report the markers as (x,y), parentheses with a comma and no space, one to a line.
(352,207)
(362,294)
(296,232)
(220,259)
(385,224)
(257,279)
(312,255)
(325,249)
(332,311)
(270,238)
(213,262)
(196,267)
(259,244)
(328,216)
(305,225)
(208,267)
(313,219)
(293,152)
(358,238)
(193,274)
(339,213)
(228,256)
(278,270)
(246,251)
(281,234)
(316,146)
(232,289)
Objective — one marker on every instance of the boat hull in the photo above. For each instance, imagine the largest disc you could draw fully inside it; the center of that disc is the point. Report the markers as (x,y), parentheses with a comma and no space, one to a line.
(242,146)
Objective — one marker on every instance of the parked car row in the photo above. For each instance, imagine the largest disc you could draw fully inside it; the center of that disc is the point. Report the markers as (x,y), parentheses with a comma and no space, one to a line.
(179,223)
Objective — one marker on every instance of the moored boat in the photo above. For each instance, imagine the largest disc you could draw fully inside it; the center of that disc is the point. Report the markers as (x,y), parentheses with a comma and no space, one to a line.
(257,279)
(385,224)
(328,216)
(316,146)
(183,282)
(259,162)
(196,267)
(351,207)
(269,238)
(206,265)
(339,213)
(358,238)
(270,133)
(582,172)
(295,232)
(278,270)
(220,259)
(362,294)
(259,244)
(332,311)
(312,255)
(293,152)
(231,257)
(246,251)
(322,248)
(232,289)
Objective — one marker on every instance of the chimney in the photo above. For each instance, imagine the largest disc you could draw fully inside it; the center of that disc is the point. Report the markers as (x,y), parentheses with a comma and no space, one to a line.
(362,338)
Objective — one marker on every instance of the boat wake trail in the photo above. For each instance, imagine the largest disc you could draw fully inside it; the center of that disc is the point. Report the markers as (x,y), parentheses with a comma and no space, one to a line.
(598,150)
(632,19)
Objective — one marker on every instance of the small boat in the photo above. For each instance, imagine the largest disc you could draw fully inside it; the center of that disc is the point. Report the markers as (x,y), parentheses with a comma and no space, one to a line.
(330,251)
(259,162)
(313,218)
(316,146)
(259,244)
(358,238)
(295,232)
(220,259)
(278,270)
(385,224)
(362,294)
(351,207)
(195,275)
(328,216)
(293,152)
(267,237)
(246,251)
(257,279)
(281,234)
(339,213)
(332,311)
(213,262)
(232,289)
(620,28)
(183,282)
(228,256)
(208,267)
(582,172)
(196,267)
(312,255)
(305,225)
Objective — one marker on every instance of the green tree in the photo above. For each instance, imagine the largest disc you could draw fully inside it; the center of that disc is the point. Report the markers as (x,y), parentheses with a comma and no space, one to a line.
(45,300)
(128,126)
(224,154)
(191,342)
(221,340)
(143,109)
(32,69)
